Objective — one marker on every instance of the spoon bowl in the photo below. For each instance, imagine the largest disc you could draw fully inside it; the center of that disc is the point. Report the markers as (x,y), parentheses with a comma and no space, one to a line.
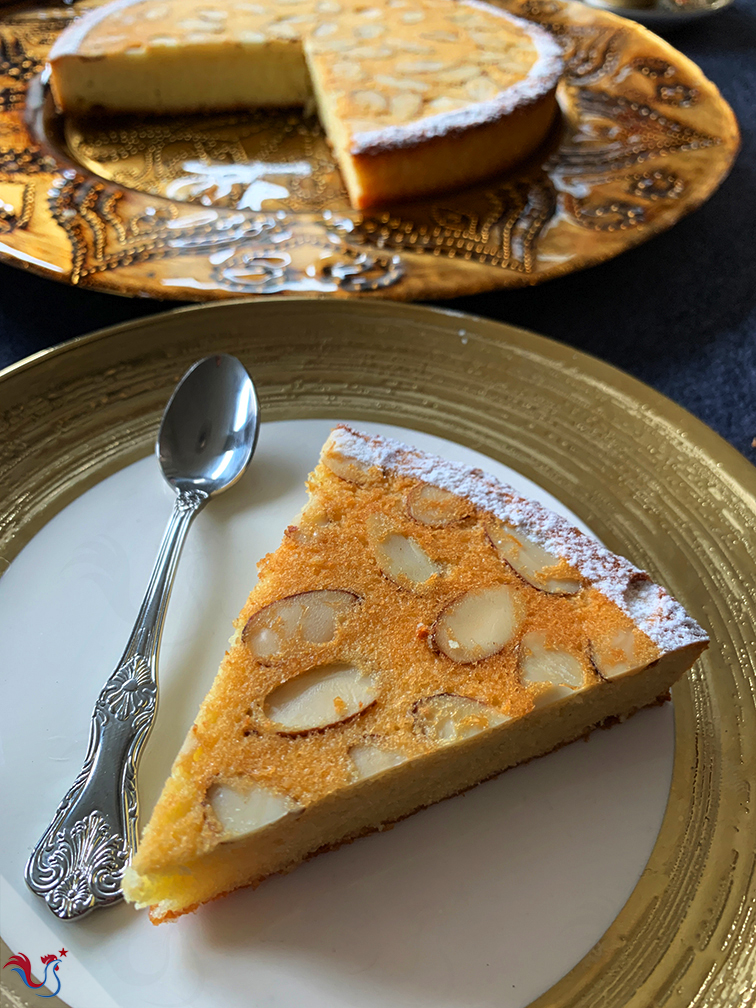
(209,428)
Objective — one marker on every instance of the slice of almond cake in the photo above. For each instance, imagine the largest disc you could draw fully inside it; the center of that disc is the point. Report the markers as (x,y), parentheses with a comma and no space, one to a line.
(421,628)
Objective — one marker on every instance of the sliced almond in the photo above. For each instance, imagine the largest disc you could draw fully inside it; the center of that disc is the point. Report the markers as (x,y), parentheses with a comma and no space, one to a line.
(490,42)
(285,29)
(465,17)
(481,89)
(541,662)
(444,104)
(406,105)
(211,14)
(348,467)
(400,557)
(419,66)
(460,74)
(369,31)
(324,29)
(371,52)
(532,562)
(321,697)
(369,101)
(550,694)
(400,83)
(315,517)
(198,25)
(478,624)
(407,45)
(430,505)
(440,36)
(370,759)
(242,810)
(495,58)
(308,618)
(447,718)
(615,655)
(348,71)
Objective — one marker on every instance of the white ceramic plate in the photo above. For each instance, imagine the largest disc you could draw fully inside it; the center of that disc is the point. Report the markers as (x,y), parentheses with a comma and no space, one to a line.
(486,899)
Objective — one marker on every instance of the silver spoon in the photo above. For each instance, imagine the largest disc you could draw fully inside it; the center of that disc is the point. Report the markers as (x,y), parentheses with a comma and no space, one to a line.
(207,436)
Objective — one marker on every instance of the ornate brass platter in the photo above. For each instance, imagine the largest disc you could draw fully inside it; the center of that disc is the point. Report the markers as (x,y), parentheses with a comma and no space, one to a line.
(220,206)
(653,482)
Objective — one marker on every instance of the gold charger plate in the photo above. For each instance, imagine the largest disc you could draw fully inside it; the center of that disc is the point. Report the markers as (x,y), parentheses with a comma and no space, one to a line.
(211,207)
(652,481)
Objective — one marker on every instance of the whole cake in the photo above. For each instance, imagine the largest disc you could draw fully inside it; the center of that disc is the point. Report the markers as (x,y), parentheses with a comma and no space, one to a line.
(420,629)
(416,96)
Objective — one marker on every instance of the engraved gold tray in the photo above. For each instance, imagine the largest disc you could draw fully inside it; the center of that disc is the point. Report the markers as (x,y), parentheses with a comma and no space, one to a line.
(652,481)
(208,207)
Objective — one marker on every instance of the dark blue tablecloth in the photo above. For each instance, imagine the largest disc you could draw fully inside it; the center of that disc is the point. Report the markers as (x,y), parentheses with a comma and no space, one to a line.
(678,312)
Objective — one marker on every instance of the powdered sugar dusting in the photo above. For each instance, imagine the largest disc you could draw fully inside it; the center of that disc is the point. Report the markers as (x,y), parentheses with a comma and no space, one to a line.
(541,78)
(650,607)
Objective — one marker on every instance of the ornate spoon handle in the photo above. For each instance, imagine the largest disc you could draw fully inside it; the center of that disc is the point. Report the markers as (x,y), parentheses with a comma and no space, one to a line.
(79,861)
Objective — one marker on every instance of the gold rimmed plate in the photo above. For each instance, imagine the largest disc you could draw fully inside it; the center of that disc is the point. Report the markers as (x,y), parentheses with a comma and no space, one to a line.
(654,483)
(203,208)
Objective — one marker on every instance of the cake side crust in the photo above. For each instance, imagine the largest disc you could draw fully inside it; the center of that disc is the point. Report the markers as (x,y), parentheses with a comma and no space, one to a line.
(447,773)
(156,917)
(449,161)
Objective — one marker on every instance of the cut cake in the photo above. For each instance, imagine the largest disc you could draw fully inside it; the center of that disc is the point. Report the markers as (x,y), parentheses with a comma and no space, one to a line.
(416,96)
(421,628)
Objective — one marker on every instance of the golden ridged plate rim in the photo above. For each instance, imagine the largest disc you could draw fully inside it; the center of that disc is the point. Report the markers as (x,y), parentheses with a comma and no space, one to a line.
(653,482)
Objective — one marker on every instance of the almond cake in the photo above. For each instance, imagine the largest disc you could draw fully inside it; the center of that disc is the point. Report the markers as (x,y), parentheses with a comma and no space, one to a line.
(421,628)
(415,96)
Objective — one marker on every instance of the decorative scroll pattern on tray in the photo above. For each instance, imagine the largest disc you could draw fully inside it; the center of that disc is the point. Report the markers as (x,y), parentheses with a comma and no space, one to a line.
(252,204)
